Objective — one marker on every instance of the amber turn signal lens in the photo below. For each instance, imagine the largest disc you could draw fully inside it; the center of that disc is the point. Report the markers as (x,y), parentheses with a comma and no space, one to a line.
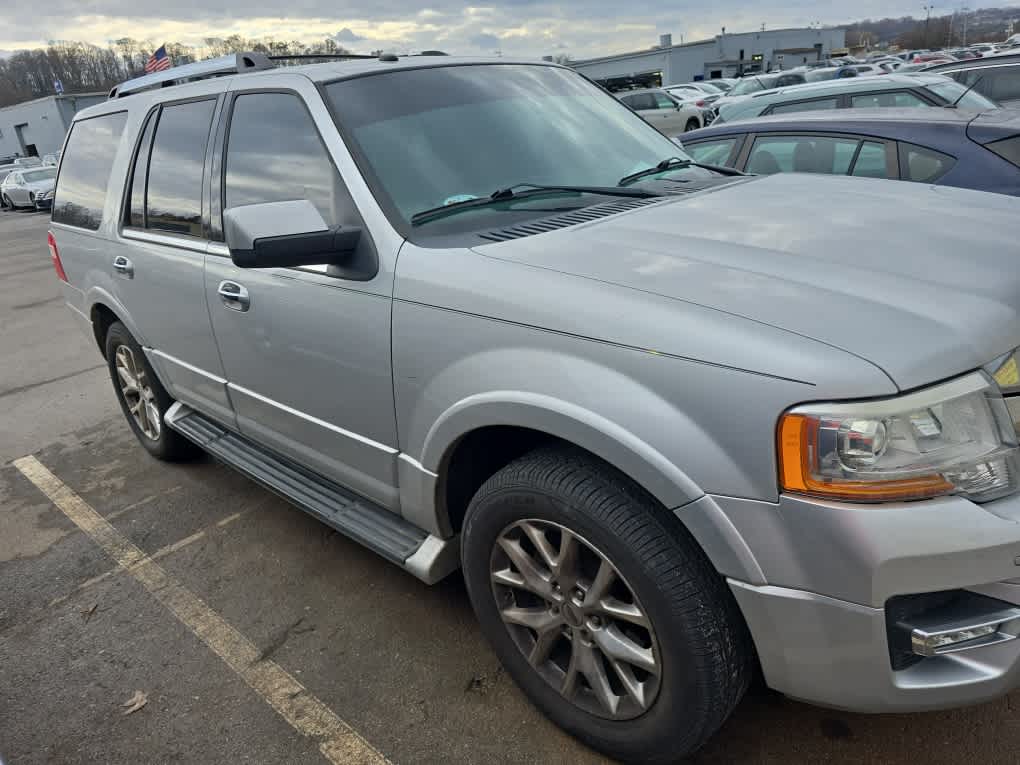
(798,450)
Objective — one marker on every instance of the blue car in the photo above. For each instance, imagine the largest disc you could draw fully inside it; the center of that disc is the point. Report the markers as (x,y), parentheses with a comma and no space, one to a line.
(946,146)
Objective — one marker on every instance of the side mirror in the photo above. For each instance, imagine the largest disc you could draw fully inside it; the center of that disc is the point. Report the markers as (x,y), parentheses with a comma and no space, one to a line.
(285,234)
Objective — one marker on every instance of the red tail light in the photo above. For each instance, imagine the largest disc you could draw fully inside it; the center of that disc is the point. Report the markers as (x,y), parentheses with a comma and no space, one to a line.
(699,103)
(55,256)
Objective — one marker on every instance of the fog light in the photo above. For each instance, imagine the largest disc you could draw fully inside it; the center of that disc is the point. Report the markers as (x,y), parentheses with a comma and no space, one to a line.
(930,645)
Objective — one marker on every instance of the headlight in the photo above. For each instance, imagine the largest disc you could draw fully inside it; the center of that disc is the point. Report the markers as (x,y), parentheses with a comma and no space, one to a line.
(1006,372)
(954,438)
(45,194)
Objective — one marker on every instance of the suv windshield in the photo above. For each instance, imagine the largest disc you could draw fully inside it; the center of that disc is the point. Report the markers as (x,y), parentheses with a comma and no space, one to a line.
(32,176)
(951,90)
(434,136)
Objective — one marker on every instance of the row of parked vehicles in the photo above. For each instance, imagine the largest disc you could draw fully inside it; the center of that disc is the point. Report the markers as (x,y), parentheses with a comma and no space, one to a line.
(28,182)
(955,124)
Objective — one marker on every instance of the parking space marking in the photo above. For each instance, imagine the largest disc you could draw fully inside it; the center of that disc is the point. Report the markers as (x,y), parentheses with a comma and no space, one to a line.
(337,740)
(161,553)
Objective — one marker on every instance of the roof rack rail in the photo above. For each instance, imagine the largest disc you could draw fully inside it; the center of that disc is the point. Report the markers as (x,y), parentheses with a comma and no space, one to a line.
(200,70)
(318,56)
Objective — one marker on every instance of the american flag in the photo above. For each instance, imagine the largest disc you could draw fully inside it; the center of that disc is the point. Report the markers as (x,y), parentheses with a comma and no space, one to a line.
(158,61)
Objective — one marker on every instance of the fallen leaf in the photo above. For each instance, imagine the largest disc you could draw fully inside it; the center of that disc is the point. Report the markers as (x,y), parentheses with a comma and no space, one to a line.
(86,613)
(136,702)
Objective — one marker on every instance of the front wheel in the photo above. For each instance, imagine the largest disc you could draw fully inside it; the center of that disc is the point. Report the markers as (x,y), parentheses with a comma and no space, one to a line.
(142,397)
(603,608)
(692,124)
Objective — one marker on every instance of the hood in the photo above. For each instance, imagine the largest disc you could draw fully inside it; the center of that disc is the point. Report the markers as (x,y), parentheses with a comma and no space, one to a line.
(923,281)
(39,186)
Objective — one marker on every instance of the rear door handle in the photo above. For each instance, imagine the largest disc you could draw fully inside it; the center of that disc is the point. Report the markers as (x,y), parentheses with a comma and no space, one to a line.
(234,296)
(123,266)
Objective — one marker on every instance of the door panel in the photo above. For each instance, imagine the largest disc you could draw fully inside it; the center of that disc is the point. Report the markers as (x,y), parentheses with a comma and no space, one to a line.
(158,262)
(309,372)
(307,355)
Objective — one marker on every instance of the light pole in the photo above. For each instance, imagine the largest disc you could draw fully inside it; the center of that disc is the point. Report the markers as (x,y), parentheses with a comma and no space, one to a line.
(927,21)
(965,11)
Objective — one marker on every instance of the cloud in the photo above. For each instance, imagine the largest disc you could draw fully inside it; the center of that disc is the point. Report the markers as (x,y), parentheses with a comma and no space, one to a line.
(485,41)
(345,35)
(526,28)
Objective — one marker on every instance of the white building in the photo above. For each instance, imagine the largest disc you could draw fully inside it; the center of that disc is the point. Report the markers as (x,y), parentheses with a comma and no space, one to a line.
(728,55)
(38,127)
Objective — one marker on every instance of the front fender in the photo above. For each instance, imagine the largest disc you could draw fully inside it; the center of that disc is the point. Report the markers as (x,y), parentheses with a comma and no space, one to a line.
(573,423)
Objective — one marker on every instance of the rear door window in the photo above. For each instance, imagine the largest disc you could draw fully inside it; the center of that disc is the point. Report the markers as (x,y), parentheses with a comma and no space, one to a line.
(1004,85)
(805,106)
(173,199)
(713,152)
(802,154)
(889,99)
(85,172)
(923,165)
(871,162)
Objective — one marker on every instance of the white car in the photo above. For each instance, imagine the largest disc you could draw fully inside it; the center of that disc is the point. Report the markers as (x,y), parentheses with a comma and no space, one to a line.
(663,111)
(30,187)
(704,92)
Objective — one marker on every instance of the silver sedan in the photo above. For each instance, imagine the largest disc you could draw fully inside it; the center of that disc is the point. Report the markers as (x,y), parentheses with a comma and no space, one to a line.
(29,188)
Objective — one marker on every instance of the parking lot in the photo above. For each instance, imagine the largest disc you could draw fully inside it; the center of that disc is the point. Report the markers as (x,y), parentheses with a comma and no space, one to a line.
(255,633)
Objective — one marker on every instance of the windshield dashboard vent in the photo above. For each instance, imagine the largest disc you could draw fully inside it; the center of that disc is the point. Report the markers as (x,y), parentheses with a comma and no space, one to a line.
(572,218)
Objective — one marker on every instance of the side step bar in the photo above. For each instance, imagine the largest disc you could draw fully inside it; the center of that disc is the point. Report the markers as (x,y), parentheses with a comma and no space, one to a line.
(426,556)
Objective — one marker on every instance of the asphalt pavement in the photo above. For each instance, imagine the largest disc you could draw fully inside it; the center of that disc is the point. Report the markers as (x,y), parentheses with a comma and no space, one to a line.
(155,613)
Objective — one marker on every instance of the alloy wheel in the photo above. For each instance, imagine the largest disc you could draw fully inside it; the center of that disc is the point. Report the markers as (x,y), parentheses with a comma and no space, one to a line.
(575,619)
(138,395)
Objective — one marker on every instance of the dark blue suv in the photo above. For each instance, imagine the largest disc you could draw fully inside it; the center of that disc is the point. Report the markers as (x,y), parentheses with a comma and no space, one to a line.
(945,146)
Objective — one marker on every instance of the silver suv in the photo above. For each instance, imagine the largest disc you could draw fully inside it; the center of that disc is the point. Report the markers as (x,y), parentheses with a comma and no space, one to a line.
(673,427)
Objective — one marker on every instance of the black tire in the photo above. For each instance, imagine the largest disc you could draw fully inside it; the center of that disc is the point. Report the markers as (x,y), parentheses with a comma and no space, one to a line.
(692,124)
(9,204)
(170,445)
(705,650)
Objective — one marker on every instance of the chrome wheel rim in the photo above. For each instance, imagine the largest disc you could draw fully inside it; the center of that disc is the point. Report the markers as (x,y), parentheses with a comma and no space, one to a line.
(138,395)
(575,619)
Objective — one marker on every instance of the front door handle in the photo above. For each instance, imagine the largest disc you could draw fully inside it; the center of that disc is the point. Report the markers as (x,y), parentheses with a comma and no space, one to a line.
(123,266)
(234,296)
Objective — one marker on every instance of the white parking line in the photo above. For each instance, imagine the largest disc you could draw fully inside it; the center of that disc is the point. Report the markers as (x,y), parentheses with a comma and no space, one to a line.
(161,553)
(337,740)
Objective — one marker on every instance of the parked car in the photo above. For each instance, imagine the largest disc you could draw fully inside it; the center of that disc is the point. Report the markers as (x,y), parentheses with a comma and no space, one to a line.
(51,159)
(29,187)
(5,170)
(892,90)
(725,84)
(757,83)
(997,77)
(28,161)
(677,431)
(667,114)
(951,147)
(698,93)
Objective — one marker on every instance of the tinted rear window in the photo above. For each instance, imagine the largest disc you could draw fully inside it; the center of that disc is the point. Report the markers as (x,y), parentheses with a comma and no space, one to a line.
(85,172)
(174,191)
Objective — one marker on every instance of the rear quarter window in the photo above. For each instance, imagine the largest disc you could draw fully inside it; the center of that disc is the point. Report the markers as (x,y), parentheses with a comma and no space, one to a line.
(923,165)
(85,171)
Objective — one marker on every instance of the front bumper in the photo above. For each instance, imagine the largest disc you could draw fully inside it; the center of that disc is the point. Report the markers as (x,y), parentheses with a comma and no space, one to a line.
(43,204)
(815,578)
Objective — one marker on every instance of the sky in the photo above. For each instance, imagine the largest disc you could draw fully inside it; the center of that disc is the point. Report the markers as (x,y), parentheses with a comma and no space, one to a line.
(511,27)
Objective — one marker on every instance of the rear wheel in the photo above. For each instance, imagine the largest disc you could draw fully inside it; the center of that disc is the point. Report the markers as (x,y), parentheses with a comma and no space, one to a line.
(142,398)
(603,608)
(8,203)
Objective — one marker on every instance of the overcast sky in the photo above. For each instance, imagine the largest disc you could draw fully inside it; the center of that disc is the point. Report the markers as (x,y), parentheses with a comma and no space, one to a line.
(514,27)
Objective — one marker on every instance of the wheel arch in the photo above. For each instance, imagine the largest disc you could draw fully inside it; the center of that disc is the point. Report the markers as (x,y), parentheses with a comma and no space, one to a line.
(103,310)
(487,431)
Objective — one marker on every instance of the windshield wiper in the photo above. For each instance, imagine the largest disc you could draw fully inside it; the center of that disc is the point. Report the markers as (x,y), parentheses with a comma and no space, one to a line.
(502,195)
(675,163)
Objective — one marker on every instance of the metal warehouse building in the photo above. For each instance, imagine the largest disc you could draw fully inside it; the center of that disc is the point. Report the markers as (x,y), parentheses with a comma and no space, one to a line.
(35,128)
(728,55)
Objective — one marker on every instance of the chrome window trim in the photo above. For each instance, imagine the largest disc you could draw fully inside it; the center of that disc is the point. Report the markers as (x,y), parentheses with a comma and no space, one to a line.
(168,240)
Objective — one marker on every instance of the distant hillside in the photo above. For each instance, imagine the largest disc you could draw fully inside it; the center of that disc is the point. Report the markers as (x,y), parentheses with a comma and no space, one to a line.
(982,25)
